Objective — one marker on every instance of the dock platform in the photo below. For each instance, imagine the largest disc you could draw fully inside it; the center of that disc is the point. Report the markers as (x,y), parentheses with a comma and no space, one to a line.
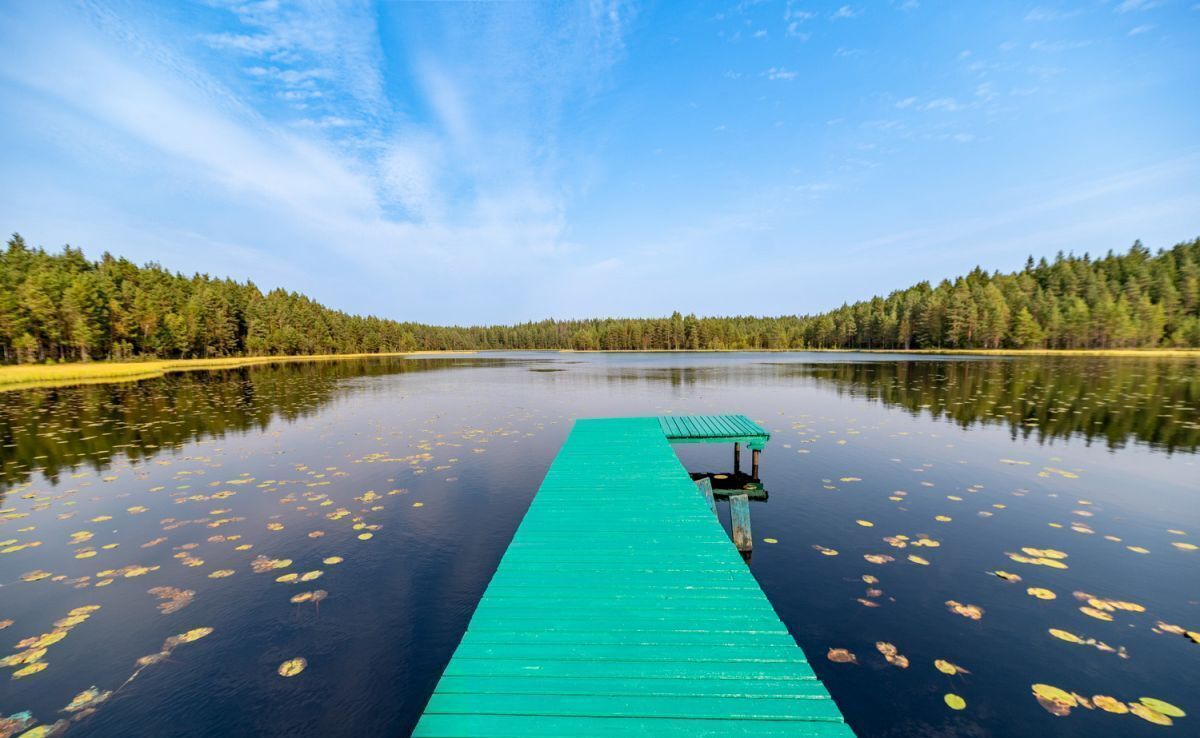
(621,608)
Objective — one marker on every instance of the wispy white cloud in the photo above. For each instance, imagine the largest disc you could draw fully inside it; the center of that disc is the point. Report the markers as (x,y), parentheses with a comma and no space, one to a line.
(945,104)
(328,121)
(1050,14)
(510,145)
(452,191)
(1138,30)
(299,45)
(1129,6)
(795,17)
(1056,46)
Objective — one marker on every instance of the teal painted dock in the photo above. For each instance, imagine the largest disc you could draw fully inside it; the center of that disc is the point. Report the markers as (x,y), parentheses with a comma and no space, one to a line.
(713,429)
(621,608)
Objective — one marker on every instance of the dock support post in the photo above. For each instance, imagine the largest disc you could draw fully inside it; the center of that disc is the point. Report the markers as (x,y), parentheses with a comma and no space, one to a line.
(754,464)
(739,516)
(737,458)
(705,487)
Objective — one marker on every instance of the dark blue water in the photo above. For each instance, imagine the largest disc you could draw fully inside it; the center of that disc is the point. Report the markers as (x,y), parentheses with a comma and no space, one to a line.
(437,460)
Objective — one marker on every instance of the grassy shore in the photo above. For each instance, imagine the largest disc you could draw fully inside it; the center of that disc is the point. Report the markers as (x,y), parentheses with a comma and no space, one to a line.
(58,375)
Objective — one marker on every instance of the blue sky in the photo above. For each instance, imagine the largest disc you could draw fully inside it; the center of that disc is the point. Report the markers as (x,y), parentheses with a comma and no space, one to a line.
(496,162)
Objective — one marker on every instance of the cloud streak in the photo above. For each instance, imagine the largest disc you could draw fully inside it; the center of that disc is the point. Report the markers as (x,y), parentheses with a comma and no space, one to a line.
(431,161)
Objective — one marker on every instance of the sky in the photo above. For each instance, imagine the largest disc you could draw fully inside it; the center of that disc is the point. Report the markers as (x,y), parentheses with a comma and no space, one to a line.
(478,163)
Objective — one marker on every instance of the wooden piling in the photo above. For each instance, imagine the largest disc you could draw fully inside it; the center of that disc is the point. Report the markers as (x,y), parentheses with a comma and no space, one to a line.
(754,464)
(737,458)
(739,516)
(705,487)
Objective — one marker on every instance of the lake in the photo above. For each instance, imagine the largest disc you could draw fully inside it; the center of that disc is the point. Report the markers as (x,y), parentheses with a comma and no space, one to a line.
(959,509)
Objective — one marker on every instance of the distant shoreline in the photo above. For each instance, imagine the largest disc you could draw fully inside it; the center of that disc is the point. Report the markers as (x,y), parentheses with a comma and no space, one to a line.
(28,376)
(1152,353)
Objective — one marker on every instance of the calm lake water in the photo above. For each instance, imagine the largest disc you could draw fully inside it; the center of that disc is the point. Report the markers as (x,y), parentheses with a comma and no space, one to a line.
(157,500)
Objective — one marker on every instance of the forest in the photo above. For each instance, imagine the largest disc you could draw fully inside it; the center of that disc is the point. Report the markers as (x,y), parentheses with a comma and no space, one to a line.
(64,307)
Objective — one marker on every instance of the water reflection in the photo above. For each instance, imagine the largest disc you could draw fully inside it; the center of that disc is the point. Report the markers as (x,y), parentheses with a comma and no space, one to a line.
(1150,401)
(1156,402)
(55,430)
(886,524)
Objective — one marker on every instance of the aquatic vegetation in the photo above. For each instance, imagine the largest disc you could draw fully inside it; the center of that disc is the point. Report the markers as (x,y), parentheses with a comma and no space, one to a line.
(314,597)
(954,702)
(948,668)
(1162,707)
(173,598)
(1110,704)
(28,669)
(891,655)
(44,731)
(1191,635)
(15,723)
(1069,637)
(292,667)
(207,498)
(1054,700)
(841,656)
(262,564)
(87,699)
(192,635)
(1060,703)
(1039,557)
(971,612)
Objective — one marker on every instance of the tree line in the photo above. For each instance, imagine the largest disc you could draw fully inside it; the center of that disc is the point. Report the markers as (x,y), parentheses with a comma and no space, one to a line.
(65,307)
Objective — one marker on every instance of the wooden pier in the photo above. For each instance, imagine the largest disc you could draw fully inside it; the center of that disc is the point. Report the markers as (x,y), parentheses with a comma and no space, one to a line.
(622,609)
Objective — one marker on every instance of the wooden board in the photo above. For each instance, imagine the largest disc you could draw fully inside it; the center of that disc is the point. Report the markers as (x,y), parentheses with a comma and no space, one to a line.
(619,613)
(713,429)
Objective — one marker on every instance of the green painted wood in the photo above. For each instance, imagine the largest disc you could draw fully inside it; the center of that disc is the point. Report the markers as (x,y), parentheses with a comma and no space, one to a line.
(646,687)
(617,613)
(713,429)
(523,726)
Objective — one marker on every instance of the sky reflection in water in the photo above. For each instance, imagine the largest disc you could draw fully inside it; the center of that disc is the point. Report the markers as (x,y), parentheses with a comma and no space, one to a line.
(416,473)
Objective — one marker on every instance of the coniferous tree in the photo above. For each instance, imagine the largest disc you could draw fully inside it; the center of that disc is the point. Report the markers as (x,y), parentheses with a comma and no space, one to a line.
(63,307)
